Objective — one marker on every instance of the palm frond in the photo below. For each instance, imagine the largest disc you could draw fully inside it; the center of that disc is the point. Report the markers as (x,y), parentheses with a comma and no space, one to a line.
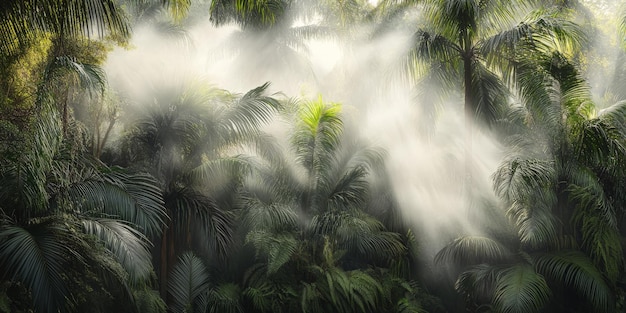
(23,175)
(433,57)
(478,282)
(343,291)
(471,250)
(273,217)
(596,219)
(269,293)
(248,14)
(279,247)
(500,46)
(135,198)
(130,248)
(251,111)
(22,20)
(90,77)
(536,225)
(188,281)
(349,192)
(364,235)
(268,149)
(35,256)
(615,115)
(588,194)
(178,8)
(404,305)
(576,271)
(517,178)
(598,141)
(521,289)
(317,135)
(195,211)
(555,33)
(537,92)
(225,298)
(489,95)
(431,46)
(221,169)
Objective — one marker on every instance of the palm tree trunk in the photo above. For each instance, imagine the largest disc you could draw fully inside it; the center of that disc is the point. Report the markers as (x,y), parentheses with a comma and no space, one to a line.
(468,114)
(167,260)
(163,266)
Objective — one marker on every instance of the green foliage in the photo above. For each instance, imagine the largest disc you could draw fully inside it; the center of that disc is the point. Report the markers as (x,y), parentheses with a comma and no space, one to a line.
(188,283)
(521,289)
(472,250)
(149,301)
(22,21)
(35,256)
(576,271)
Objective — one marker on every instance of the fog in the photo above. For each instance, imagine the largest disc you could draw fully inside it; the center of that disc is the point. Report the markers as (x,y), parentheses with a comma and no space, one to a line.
(425,147)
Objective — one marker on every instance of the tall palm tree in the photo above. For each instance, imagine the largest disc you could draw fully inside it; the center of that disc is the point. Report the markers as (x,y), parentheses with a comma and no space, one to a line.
(308,224)
(558,184)
(184,137)
(472,45)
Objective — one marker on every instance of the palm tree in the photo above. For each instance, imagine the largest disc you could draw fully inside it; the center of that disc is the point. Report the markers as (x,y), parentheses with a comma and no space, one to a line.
(308,224)
(558,184)
(184,137)
(472,45)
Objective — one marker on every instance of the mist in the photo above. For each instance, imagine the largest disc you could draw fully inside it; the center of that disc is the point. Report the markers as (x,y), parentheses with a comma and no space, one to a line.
(425,148)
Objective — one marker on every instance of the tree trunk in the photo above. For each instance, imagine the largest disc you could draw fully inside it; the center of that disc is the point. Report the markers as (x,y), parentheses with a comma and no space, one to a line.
(468,114)
(163,265)
(167,260)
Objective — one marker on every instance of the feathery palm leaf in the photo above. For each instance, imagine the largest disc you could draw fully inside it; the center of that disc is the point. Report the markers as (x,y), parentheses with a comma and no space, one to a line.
(135,198)
(195,211)
(224,299)
(365,235)
(518,178)
(274,217)
(35,255)
(489,94)
(616,114)
(188,281)
(472,250)
(536,226)
(343,291)
(478,282)
(317,135)
(23,20)
(130,247)
(576,271)
(251,110)
(279,247)
(521,289)
(90,77)
(595,217)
